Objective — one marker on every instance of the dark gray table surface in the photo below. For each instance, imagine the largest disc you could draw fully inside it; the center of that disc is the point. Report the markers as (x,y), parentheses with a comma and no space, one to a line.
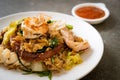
(109,66)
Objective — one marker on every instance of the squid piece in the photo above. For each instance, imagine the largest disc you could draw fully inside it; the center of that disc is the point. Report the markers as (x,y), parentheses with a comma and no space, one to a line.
(9,58)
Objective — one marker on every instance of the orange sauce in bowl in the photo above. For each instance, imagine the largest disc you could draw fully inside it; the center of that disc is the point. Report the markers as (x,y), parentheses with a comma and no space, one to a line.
(90,12)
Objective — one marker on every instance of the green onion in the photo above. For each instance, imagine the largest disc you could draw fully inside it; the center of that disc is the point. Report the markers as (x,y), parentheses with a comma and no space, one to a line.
(21,32)
(50,76)
(69,26)
(42,50)
(49,21)
(43,73)
(40,73)
(53,42)
(53,60)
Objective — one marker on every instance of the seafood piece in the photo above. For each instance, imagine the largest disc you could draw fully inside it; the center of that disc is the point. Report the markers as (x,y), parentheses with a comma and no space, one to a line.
(37,20)
(77,46)
(10,59)
(33,27)
(70,41)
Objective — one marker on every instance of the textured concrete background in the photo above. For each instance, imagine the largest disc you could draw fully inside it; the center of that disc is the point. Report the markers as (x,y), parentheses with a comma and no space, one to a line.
(109,67)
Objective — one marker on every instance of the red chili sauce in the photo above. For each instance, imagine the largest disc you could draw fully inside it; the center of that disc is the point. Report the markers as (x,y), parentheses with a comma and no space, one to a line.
(90,12)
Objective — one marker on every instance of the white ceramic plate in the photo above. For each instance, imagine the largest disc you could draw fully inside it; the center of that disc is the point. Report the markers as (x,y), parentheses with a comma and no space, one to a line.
(91,57)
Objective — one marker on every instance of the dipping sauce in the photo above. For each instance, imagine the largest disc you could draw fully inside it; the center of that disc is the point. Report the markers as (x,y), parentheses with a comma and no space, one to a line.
(90,12)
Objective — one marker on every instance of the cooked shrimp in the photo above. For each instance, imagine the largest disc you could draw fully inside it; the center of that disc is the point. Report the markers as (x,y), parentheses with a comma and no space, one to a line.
(37,20)
(35,25)
(70,41)
(77,46)
(34,32)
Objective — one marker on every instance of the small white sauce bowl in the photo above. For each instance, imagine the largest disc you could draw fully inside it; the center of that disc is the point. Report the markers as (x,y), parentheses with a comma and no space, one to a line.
(101,6)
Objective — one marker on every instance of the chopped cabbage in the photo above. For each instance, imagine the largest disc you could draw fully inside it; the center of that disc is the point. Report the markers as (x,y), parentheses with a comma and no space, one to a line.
(10,30)
(72,60)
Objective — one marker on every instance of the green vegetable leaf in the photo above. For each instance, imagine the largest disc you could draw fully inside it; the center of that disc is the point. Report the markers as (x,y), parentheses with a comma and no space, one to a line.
(40,73)
(43,73)
(49,21)
(52,59)
(21,32)
(53,42)
(26,73)
(42,50)
(50,76)
(69,26)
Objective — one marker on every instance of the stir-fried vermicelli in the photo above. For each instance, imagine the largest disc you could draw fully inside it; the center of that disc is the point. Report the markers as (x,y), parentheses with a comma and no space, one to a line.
(40,45)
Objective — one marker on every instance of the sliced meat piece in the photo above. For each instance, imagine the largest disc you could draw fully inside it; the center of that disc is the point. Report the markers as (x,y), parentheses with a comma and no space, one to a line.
(40,56)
